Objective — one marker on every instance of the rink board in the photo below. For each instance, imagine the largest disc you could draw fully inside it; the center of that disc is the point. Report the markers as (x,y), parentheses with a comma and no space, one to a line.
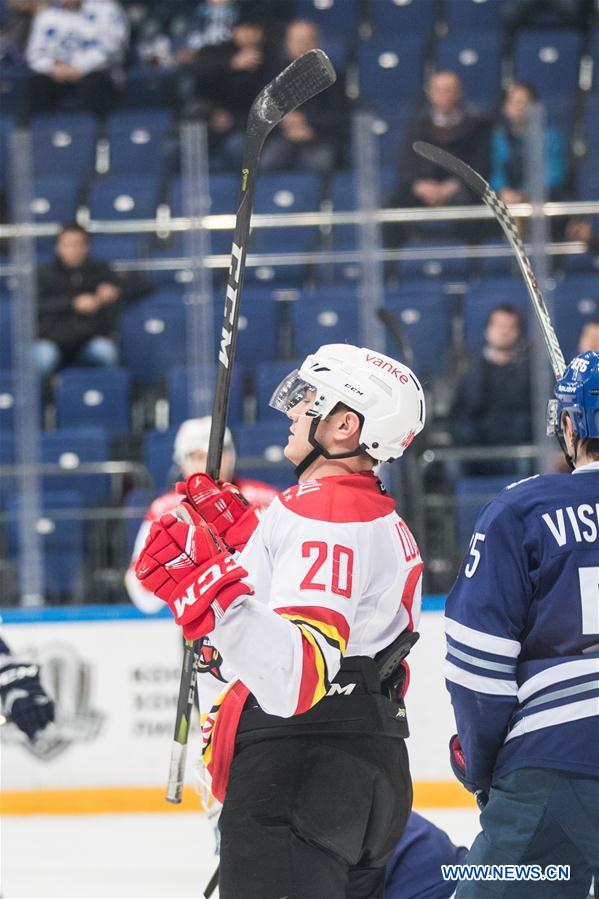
(115,676)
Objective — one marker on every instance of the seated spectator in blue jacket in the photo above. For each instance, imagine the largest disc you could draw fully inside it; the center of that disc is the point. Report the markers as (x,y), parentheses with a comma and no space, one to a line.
(508,149)
(492,404)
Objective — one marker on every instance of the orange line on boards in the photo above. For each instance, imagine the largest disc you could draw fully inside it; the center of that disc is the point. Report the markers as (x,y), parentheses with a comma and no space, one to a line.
(131,800)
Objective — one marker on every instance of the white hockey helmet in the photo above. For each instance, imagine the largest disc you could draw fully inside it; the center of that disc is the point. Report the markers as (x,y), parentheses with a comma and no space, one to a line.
(386,394)
(193,437)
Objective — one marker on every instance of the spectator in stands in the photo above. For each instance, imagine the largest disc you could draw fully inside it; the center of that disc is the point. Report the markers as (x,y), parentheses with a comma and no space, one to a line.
(190,456)
(75,50)
(15,24)
(508,148)
(211,23)
(492,404)
(79,299)
(589,337)
(581,229)
(226,79)
(450,123)
(315,136)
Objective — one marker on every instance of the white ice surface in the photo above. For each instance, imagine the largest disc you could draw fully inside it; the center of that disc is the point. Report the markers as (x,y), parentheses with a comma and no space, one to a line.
(121,856)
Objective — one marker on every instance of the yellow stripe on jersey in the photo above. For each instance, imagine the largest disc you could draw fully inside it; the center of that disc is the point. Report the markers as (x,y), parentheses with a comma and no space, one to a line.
(322,682)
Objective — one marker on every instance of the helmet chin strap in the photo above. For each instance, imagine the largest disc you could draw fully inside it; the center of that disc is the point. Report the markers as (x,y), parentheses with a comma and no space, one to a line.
(319,450)
(570,459)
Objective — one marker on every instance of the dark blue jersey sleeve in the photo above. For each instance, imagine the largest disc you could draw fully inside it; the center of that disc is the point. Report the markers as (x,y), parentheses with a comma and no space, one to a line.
(484,619)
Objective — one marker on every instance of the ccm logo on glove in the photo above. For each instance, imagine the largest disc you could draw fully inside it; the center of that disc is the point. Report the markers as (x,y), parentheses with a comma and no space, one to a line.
(205,581)
(190,568)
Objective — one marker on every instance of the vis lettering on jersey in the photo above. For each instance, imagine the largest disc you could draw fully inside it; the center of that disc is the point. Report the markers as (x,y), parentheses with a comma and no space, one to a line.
(581,522)
(230,304)
(387,366)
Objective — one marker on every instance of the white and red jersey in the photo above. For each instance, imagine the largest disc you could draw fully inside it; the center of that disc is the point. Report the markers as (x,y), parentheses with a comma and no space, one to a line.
(256,492)
(335,571)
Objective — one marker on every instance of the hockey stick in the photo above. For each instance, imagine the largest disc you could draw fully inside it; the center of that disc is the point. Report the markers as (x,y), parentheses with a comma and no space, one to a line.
(299,82)
(396,333)
(484,190)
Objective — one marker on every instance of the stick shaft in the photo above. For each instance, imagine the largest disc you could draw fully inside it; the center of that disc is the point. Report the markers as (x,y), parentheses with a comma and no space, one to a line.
(508,224)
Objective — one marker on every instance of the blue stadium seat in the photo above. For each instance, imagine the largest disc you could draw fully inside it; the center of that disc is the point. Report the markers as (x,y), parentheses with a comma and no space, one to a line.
(325,316)
(482,296)
(62,539)
(69,448)
(424,317)
(64,144)
(7,402)
(98,397)
(587,178)
(177,392)
(158,458)
(549,59)
(258,334)
(123,197)
(268,375)
(576,301)
(390,70)
(138,142)
(333,18)
(151,338)
(476,57)
(474,15)
(434,267)
(391,128)
(471,494)
(266,440)
(7,123)
(5,338)
(286,192)
(391,16)
(223,190)
(119,247)
(146,87)
(54,199)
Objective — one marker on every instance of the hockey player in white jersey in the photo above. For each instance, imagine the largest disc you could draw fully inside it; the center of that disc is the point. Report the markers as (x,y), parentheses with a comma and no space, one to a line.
(305,743)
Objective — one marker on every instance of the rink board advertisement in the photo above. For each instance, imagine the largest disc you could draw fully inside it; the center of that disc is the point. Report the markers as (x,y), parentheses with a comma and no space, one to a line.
(115,676)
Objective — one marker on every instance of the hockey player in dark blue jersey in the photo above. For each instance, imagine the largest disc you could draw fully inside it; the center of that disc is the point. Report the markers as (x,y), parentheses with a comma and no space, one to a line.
(522,664)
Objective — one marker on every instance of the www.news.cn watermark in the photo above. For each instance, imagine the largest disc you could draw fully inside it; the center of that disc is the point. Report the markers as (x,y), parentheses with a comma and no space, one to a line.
(505,872)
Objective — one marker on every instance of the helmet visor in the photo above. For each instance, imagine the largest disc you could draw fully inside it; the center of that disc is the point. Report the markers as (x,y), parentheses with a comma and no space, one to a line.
(291,393)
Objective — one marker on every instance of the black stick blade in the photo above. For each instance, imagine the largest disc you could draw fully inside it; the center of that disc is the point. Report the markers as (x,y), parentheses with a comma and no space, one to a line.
(451,164)
(303,79)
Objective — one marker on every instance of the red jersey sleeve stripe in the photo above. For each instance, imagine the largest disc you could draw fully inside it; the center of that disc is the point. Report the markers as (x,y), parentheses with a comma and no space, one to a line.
(332,625)
(407,596)
(314,683)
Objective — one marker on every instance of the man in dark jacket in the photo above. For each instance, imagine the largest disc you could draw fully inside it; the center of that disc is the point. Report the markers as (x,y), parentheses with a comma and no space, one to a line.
(315,137)
(78,306)
(449,123)
(492,404)
(227,77)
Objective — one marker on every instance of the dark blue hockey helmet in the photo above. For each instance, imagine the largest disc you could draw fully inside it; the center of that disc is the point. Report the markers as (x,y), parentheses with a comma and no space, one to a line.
(577,393)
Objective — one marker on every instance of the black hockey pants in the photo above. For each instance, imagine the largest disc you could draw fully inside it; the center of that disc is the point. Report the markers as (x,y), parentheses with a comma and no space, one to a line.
(313,817)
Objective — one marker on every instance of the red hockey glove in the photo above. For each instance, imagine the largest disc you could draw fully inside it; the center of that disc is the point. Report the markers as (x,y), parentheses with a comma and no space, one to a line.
(457,761)
(190,568)
(223,507)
